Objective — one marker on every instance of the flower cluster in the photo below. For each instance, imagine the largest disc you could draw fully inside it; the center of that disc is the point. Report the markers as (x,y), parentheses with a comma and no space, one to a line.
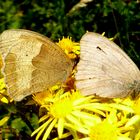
(87,117)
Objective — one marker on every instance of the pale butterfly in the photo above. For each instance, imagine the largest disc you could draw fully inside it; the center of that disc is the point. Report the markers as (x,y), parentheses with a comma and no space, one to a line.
(104,69)
(32,63)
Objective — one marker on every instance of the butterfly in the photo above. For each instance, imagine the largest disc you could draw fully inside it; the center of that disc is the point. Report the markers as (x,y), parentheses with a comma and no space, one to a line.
(105,69)
(32,62)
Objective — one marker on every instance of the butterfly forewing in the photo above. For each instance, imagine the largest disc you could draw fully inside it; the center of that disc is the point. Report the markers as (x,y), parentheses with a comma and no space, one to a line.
(104,69)
(32,63)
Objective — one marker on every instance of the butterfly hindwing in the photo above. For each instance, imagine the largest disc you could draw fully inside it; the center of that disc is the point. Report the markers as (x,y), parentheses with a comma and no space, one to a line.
(104,69)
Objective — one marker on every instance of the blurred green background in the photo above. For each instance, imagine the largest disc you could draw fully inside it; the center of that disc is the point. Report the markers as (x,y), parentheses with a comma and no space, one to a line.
(58,18)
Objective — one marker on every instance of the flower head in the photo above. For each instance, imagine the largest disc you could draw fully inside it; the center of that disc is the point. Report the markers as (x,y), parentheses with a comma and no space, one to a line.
(66,110)
(72,49)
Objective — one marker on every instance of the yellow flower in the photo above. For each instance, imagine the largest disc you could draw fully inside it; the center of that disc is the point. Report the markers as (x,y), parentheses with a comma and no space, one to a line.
(72,49)
(3,91)
(128,118)
(103,131)
(113,126)
(4,120)
(66,110)
(47,96)
(61,108)
(83,114)
(135,120)
(2,85)
(136,106)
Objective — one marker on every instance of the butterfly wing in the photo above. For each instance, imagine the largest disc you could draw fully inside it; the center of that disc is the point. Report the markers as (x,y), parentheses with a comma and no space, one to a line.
(104,69)
(32,63)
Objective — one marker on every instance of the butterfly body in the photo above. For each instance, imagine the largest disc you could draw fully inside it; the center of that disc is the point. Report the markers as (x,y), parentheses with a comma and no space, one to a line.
(32,62)
(104,69)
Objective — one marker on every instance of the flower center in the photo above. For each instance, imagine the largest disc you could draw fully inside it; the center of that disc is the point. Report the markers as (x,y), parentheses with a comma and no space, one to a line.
(61,108)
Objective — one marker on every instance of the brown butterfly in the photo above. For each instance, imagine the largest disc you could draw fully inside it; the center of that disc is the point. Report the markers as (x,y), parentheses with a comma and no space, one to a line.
(104,69)
(32,62)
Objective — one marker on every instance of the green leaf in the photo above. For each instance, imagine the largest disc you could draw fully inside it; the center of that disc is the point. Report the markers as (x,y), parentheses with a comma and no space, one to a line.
(20,125)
